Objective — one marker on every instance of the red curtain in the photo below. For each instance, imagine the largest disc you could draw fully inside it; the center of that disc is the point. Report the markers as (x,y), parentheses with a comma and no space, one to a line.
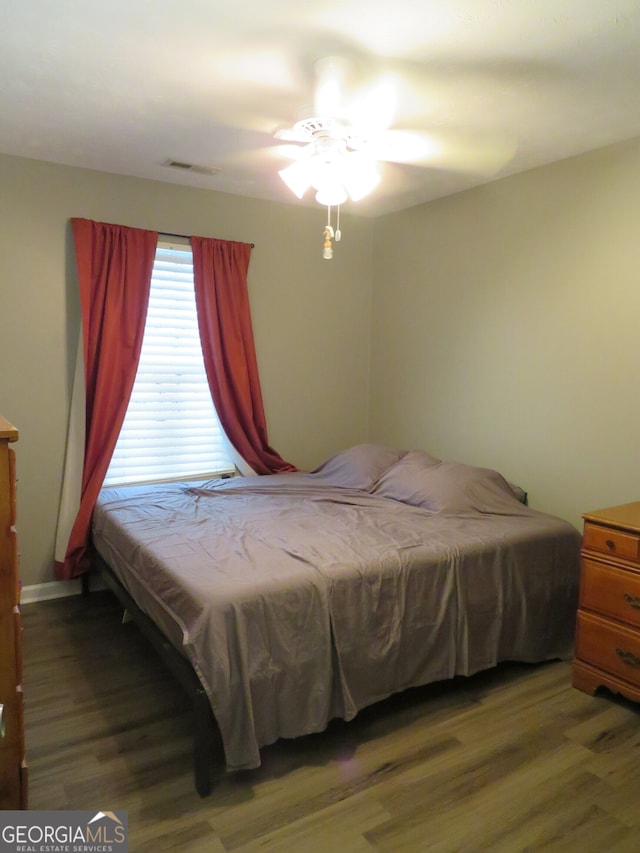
(114,275)
(224,319)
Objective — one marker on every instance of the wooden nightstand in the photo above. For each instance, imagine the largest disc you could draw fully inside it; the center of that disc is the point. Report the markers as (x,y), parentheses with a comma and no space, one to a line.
(608,626)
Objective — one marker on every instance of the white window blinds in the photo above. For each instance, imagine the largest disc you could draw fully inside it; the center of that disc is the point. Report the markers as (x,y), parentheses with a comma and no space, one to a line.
(171,430)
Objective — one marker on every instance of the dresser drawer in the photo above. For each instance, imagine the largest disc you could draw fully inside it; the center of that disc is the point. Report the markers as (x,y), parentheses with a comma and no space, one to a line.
(608,646)
(10,783)
(610,591)
(12,487)
(17,634)
(13,723)
(610,541)
(8,635)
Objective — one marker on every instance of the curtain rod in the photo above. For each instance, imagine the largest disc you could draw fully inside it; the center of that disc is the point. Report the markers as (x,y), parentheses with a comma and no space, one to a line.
(187,237)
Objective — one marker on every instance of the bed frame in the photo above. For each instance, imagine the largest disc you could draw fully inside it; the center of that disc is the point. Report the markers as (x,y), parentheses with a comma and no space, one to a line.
(205,727)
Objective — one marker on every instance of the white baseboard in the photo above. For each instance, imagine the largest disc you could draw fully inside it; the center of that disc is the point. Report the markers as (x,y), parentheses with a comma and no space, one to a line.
(55,589)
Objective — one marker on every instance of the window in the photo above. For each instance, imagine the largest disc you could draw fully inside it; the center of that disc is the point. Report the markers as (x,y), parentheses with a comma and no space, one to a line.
(171,430)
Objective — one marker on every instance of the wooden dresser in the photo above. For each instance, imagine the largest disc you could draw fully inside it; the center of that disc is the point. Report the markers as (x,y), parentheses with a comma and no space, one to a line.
(13,768)
(608,626)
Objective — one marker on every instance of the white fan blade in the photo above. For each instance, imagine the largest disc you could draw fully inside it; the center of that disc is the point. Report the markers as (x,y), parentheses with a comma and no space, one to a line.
(374,108)
(483,154)
(291,134)
(291,152)
(279,156)
(330,87)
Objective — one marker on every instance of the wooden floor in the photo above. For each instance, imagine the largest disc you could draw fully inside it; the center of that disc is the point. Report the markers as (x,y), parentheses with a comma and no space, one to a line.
(511,760)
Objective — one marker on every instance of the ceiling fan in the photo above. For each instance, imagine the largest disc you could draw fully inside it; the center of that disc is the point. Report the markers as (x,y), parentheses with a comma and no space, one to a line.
(337,132)
(339,141)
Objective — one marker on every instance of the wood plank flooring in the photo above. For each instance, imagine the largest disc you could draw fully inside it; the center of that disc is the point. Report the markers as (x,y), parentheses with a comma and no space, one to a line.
(510,760)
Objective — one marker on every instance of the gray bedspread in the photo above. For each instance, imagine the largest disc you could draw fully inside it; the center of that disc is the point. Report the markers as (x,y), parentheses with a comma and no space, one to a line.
(300,598)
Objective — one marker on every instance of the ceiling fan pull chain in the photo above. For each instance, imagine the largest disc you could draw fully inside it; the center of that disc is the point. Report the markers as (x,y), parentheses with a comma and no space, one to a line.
(327,251)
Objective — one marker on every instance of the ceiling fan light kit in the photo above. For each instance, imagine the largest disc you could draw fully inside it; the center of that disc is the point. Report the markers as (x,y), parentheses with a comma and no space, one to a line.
(328,166)
(331,161)
(348,132)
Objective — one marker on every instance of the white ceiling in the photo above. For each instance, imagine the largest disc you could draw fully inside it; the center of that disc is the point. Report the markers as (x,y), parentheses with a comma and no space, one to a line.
(125,85)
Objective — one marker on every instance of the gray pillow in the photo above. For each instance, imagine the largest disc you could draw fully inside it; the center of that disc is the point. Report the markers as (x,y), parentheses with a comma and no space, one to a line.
(451,488)
(359,467)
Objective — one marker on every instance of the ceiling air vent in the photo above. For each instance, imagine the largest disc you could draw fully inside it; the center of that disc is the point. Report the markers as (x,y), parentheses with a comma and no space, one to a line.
(191,167)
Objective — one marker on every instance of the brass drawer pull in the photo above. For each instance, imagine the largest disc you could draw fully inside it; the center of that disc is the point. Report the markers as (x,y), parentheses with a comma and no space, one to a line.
(628,657)
(632,600)
(1,722)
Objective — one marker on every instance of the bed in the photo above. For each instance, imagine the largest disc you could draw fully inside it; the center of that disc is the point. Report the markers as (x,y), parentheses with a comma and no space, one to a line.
(288,600)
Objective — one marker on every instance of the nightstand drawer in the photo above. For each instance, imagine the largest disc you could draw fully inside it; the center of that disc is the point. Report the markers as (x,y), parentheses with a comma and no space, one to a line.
(608,646)
(610,541)
(610,591)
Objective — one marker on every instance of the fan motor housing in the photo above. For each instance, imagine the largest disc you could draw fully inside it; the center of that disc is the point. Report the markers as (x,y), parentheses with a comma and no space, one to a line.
(329,133)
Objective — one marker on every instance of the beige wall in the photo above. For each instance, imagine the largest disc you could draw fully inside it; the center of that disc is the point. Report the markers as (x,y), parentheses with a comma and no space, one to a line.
(506,330)
(311,318)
